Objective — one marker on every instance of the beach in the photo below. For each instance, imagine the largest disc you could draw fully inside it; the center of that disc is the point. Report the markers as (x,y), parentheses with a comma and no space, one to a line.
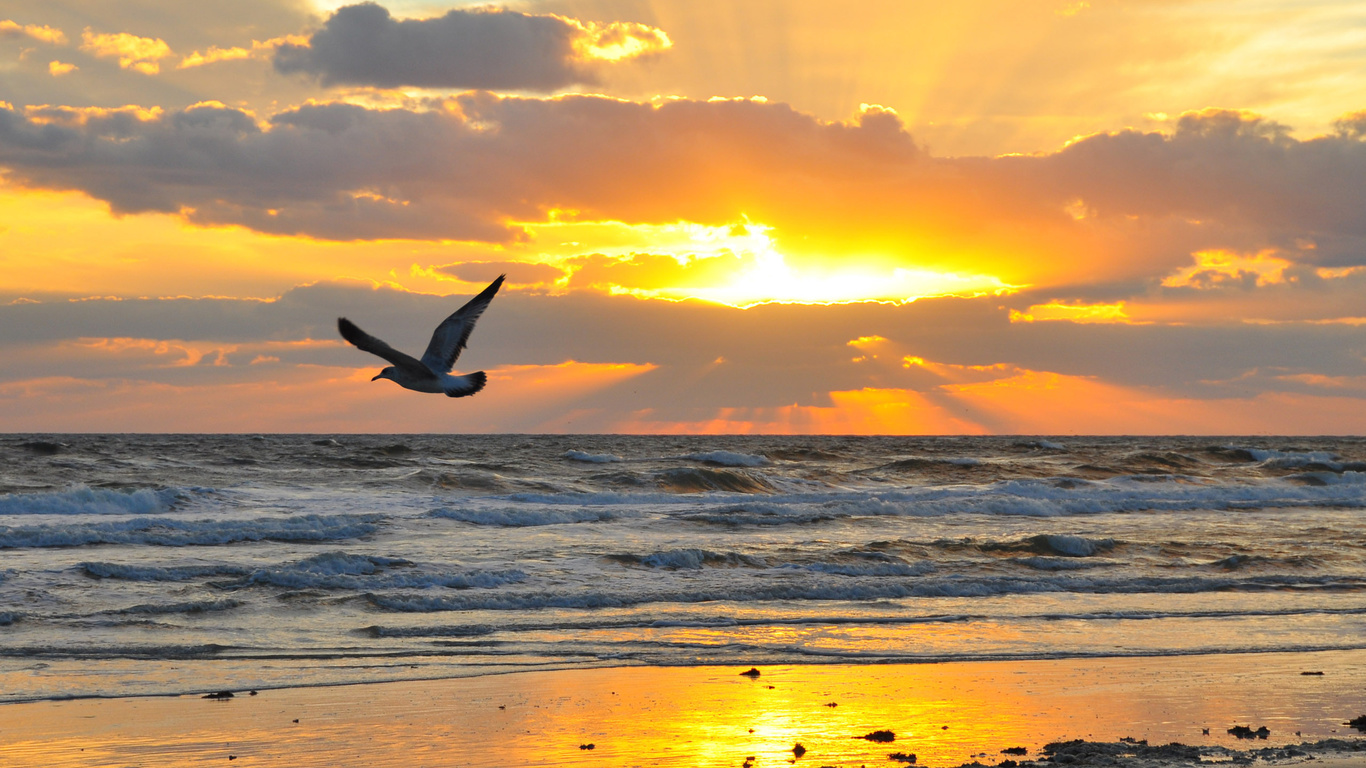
(506,600)
(945,714)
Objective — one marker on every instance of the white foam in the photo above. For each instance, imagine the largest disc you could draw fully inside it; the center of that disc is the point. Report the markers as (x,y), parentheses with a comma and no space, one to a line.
(83,500)
(729,459)
(1274,458)
(592,458)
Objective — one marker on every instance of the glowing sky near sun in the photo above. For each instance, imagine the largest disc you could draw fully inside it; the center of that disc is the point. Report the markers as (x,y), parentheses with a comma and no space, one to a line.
(780,216)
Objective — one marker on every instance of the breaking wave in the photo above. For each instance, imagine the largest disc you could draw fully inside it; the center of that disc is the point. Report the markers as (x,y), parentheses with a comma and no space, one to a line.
(729,459)
(179,533)
(343,570)
(83,500)
(159,573)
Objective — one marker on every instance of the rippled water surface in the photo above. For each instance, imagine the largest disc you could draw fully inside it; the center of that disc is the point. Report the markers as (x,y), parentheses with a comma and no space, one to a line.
(154,564)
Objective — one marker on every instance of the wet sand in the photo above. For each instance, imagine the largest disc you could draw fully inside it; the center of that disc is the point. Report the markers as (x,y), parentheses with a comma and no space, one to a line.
(945,714)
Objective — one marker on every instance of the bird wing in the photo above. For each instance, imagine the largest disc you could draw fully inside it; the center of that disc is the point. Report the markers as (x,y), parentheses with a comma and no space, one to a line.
(450,337)
(374,346)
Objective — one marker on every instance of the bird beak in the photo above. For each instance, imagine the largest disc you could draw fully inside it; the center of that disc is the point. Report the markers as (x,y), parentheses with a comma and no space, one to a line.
(378,377)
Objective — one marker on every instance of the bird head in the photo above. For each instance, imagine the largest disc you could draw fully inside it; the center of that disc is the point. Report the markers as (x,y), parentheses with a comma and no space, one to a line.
(387,373)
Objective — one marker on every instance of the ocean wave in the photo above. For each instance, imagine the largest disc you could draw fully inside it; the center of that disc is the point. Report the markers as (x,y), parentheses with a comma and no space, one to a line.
(1271,458)
(1059,545)
(729,459)
(856,589)
(591,458)
(1025,497)
(179,533)
(924,463)
(191,606)
(159,573)
(890,567)
(762,515)
(514,517)
(1240,561)
(1042,563)
(343,570)
(83,500)
(701,479)
(108,651)
(688,559)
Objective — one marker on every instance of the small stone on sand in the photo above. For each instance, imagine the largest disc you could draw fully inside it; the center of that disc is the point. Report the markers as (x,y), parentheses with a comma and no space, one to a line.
(902,757)
(750,673)
(799,750)
(881,737)
(1244,732)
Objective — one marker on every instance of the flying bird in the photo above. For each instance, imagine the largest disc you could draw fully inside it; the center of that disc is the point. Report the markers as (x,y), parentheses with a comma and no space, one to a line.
(433,372)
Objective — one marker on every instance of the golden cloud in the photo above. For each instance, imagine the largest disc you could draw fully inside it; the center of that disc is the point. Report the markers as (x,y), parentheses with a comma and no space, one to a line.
(1075,312)
(259,49)
(140,54)
(44,34)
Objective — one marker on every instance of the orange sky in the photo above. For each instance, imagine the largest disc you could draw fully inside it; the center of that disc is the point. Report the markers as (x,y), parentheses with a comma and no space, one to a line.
(778,216)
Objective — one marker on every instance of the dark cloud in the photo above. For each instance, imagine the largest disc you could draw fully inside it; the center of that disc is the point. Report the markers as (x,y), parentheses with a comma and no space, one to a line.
(708,356)
(1114,207)
(466,48)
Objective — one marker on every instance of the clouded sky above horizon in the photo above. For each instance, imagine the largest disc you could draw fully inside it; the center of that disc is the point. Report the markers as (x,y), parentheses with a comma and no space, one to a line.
(1041,217)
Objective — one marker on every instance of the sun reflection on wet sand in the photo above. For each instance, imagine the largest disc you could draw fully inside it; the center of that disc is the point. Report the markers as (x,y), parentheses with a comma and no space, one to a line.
(945,714)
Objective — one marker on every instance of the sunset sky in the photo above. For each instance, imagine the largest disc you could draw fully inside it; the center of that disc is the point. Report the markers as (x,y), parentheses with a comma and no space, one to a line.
(780,216)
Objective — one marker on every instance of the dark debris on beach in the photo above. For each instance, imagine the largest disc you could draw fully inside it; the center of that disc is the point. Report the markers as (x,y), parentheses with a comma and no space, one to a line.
(1129,752)
(1244,732)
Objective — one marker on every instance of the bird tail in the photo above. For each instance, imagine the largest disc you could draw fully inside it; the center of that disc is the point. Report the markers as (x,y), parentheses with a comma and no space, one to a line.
(466,385)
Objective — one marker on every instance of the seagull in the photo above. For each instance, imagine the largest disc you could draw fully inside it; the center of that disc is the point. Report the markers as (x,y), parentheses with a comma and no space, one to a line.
(433,372)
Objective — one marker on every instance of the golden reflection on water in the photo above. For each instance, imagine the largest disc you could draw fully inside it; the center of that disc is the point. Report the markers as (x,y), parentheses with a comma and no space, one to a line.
(945,714)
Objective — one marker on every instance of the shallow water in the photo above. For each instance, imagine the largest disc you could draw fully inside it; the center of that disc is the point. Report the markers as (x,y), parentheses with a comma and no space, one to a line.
(156,564)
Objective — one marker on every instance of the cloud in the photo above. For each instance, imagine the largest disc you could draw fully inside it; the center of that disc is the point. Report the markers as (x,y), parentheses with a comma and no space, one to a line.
(41,33)
(706,356)
(141,54)
(258,50)
(480,167)
(58,68)
(466,48)
(519,274)
(592,362)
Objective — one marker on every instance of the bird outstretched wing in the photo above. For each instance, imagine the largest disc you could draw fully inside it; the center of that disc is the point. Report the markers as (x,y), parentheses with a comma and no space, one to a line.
(450,337)
(352,333)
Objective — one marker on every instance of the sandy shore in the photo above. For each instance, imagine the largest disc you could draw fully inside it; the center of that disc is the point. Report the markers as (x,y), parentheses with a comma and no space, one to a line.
(944,714)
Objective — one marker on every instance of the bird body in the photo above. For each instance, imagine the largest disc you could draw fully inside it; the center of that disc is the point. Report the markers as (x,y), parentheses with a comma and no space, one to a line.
(432,373)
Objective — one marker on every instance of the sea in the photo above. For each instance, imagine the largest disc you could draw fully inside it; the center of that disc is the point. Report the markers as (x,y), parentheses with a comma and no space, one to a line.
(173,564)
